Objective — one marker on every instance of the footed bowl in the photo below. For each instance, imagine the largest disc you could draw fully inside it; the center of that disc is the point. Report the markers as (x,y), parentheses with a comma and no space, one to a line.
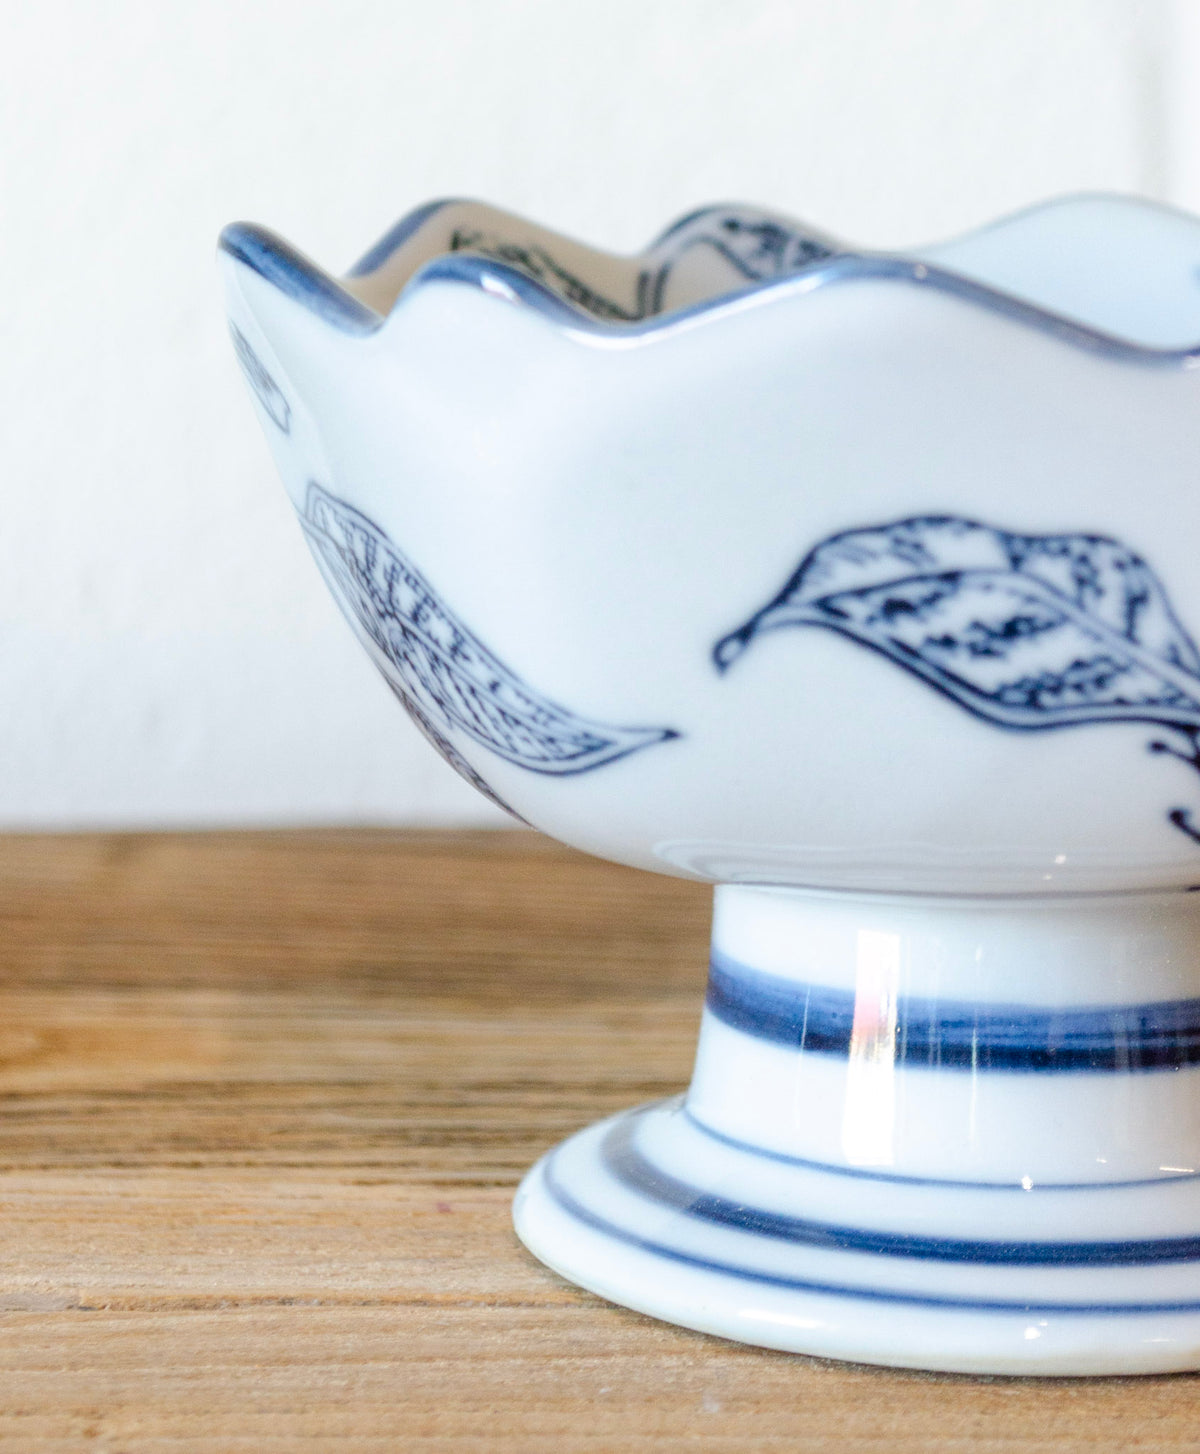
(862,585)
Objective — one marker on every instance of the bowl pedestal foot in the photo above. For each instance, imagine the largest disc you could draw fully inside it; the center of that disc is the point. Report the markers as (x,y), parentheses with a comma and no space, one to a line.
(928,1133)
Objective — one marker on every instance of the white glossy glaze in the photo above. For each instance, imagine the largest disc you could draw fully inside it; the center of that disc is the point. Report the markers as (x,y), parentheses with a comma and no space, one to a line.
(884,1305)
(603,502)
(864,586)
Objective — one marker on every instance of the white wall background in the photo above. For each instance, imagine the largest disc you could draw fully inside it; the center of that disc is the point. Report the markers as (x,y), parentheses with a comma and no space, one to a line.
(167,653)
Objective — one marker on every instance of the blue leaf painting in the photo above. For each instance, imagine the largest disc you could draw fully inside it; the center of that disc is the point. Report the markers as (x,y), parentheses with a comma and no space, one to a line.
(756,247)
(538,263)
(1025,631)
(442,744)
(266,390)
(448,680)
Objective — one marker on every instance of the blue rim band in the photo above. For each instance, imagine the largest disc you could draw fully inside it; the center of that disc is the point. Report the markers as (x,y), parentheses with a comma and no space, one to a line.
(574,1208)
(298,277)
(1024,1188)
(279,263)
(957,1035)
(397,236)
(632,1168)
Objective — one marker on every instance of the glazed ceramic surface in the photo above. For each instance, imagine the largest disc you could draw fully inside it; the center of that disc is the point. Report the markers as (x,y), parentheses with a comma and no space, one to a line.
(862,585)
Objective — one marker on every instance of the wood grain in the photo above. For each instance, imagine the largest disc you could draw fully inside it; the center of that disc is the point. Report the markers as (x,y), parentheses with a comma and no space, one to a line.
(263,1102)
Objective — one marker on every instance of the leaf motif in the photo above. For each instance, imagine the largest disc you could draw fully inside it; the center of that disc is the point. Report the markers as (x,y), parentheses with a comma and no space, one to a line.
(754,244)
(1028,631)
(442,744)
(442,673)
(266,390)
(755,247)
(538,263)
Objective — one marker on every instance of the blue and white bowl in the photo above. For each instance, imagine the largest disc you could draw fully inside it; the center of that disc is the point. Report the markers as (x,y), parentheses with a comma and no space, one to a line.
(863,586)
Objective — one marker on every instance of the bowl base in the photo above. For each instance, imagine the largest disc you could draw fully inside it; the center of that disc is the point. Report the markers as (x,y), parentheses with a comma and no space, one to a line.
(658,1212)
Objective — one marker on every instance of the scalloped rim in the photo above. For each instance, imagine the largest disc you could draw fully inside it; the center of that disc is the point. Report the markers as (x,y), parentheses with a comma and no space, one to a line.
(296,275)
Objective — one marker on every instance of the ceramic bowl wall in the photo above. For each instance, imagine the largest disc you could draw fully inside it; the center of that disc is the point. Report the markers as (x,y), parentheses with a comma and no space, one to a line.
(867,576)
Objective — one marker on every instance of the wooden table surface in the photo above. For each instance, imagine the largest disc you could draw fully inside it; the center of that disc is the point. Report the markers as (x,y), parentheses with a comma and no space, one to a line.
(263,1102)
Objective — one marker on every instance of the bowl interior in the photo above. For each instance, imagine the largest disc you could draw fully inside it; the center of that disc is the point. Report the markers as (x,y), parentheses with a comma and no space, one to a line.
(708,254)
(1119,265)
